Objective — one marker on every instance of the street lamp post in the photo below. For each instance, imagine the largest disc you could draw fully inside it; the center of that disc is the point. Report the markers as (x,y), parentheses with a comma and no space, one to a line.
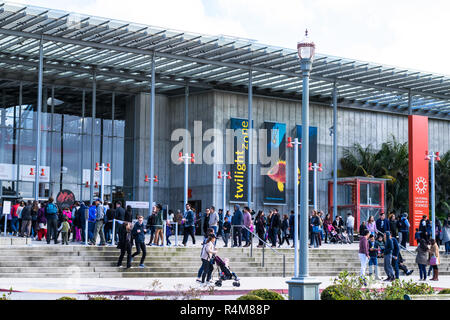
(295,145)
(433,157)
(225,176)
(102,168)
(304,287)
(316,167)
(186,159)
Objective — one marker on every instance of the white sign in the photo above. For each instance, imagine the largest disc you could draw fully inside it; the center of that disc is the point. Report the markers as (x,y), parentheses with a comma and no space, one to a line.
(26,173)
(97,177)
(8,171)
(6,207)
(138,204)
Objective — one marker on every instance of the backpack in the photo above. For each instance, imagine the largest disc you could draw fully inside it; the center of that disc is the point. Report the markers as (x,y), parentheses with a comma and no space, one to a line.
(51,208)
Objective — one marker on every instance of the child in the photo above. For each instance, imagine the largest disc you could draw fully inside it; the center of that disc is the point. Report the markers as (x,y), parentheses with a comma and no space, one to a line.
(64,228)
(418,235)
(226,231)
(374,250)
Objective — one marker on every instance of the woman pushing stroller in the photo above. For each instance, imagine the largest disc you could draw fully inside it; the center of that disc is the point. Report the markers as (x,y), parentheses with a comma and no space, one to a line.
(207,256)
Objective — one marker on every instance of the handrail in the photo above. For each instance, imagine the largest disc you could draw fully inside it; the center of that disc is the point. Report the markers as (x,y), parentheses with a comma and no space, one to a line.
(265,244)
(399,245)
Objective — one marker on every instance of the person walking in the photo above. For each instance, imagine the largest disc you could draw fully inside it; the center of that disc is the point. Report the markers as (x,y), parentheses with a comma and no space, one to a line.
(350,225)
(364,255)
(64,228)
(374,251)
(119,216)
(422,258)
(51,214)
(42,223)
(99,222)
(109,219)
(247,231)
(138,233)
(315,225)
(285,230)
(275,224)
(395,257)
(158,225)
(214,220)
(208,250)
(34,223)
(188,221)
(125,243)
(434,259)
(14,218)
(260,224)
(226,230)
(388,248)
(237,221)
(25,231)
(404,229)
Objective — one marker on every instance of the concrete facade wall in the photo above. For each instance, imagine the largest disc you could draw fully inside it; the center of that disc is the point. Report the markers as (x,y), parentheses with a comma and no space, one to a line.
(215,108)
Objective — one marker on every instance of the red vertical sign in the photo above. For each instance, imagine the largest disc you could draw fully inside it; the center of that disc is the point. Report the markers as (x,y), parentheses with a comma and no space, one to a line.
(418,172)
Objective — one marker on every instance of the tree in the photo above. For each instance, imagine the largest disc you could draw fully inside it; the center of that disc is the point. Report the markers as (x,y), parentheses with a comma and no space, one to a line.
(390,162)
(442,181)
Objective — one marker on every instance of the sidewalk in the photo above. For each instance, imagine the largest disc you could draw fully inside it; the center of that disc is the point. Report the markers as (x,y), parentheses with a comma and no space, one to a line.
(150,288)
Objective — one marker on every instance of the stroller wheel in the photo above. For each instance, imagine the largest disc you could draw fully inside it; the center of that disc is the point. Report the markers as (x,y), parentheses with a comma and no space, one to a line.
(236,284)
(218,283)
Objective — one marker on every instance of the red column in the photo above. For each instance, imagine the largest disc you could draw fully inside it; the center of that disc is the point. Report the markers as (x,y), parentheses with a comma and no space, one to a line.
(418,172)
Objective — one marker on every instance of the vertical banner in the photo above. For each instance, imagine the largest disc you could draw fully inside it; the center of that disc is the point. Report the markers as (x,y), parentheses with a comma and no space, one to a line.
(238,185)
(418,172)
(275,180)
(312,158)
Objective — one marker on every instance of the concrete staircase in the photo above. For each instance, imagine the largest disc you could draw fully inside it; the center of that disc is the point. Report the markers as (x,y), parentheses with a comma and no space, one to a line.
(57,261)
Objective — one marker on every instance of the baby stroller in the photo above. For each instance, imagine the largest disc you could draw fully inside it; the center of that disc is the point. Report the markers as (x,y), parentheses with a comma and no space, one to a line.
(225,273)
(336,237)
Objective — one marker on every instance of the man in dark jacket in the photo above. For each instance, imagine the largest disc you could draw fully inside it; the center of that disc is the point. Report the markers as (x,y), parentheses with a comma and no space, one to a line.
(275,224)
(119,215)
(26,220)
(382,223)
(138,234)
(388,253)
(81,213)
(395,257)
(404,229)
(189,222)
(237,221)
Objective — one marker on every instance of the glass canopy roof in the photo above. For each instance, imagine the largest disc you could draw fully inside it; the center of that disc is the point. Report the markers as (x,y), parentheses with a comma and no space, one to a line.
(120,53)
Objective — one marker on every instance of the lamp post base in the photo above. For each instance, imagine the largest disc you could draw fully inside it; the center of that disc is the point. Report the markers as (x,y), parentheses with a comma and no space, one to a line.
(303,289)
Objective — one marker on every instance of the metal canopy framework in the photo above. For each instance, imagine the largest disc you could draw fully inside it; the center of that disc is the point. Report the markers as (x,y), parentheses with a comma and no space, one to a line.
(120,53)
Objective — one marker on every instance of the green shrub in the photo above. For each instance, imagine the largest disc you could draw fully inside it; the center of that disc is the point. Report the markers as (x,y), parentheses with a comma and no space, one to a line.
(399,288)
(265,294)
(445,291)
(332,292)
(249,297)
(66,298)
(98,298)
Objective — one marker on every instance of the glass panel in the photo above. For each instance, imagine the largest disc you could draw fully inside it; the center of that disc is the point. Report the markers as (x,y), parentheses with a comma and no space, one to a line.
(344,194)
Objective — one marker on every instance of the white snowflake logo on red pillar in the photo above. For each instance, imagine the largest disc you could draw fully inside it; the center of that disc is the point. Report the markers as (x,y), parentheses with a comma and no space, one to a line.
(421,185)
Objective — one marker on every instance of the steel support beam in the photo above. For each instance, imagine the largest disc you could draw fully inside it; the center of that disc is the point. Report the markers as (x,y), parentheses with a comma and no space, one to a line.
(250,138)
(38,119)
(152,136)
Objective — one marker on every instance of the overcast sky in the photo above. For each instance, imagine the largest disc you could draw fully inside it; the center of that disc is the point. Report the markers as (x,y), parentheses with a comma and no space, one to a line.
(411,34)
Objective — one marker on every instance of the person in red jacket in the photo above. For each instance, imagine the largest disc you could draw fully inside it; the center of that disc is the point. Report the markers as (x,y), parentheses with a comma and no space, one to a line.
(15,218)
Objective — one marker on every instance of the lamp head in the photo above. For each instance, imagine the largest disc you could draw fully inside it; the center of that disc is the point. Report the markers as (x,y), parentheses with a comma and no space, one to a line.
(306,48)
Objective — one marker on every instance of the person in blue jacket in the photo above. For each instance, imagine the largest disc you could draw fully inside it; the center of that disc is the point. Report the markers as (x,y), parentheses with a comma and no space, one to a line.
(404,229)
(382,224)
(388,253)
(395,257)
(91,220)
(188,222)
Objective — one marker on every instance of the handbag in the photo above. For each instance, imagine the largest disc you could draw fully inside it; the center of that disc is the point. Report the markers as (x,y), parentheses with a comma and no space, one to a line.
(315,229)
(433,260)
